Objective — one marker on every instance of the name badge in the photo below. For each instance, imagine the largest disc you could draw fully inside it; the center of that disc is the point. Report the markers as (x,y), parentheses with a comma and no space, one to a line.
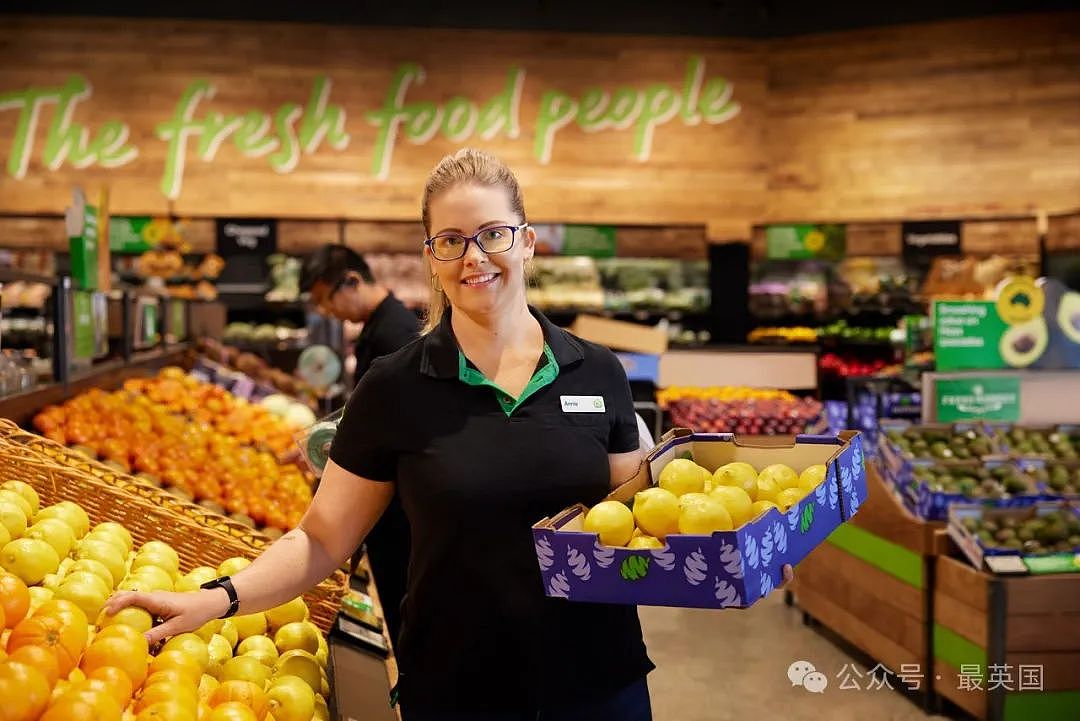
(582,404)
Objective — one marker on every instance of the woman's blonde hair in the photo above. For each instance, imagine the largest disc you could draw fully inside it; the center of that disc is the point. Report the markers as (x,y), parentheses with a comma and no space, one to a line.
(467,165)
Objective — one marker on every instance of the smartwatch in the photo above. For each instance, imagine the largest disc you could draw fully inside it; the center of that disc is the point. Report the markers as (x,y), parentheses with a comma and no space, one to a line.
(226,583)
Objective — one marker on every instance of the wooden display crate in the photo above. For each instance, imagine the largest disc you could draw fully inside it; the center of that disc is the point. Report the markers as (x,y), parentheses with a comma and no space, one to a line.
(983,621)
(871,582)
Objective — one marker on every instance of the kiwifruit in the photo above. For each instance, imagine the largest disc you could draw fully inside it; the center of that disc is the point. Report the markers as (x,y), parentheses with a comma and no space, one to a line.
(243,518)
(180,493)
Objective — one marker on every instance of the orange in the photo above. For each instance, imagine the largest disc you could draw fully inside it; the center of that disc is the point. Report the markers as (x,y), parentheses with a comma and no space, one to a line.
(3,618)
(40,658)
(128,655)
(168,676)
(65,642)
(244,692)
(72,709)
(232,711)
(161,692)
(166,711)
(120,630)
(117,681)
(97,696)
(179,661)
(25,691)
(14,599)
(64,610)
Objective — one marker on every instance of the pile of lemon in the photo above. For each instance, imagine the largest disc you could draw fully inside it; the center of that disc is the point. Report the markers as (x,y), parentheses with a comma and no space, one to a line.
(689,499)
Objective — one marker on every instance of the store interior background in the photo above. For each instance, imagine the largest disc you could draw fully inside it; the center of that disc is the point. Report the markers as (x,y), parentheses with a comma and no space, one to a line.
(868,115)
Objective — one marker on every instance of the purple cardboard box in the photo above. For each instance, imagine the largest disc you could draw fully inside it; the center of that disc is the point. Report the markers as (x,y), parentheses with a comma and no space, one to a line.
(729,569)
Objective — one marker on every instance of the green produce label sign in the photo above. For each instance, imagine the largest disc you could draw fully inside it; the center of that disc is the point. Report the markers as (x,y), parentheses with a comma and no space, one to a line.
(84,250)
(595,240)
(82,323)
(967,335)
(805,242)
(988,398)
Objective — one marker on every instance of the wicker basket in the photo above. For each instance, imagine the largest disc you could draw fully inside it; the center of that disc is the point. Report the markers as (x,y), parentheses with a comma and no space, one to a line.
(146,511)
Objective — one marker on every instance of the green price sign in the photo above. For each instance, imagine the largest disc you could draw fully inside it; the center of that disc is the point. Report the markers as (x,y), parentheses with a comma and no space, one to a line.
(82,324)
(84,250)
(805,242)
(178,320)
(150,318)
(967,335)
(597,241)
(129,235)
(989,398)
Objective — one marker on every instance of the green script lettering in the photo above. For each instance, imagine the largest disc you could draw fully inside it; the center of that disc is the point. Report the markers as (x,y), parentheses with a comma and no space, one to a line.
(422,121)
(459,119)
(500,114)
(215,128)
(660,106)
(111,145)
(250,138)
(624,109)
(556,110)
(29,103)
(286,158)
(389,117)
(322,120)
(176,132)
(695,73)
(65,139)
(594,103)
(716,104)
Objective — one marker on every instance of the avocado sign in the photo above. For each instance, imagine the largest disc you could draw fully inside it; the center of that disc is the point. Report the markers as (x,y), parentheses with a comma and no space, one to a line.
(284,135)
(1032,324)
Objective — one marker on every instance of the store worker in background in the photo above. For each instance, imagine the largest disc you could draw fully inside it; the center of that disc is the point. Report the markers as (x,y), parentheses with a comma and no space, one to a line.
(340,285)
(467,424)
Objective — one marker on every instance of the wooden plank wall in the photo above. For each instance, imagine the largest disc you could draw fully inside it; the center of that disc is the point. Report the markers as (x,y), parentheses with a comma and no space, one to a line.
(966,119)
(959,119)
(696,174)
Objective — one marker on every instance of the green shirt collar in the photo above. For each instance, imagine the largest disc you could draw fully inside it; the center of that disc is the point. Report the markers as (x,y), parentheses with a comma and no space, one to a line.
(546,372)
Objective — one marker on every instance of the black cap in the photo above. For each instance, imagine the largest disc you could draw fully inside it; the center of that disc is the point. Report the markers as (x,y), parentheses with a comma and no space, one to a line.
(329,264)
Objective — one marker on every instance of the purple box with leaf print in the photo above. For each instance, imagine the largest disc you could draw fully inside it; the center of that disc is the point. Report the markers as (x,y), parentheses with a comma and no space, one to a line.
(729,569)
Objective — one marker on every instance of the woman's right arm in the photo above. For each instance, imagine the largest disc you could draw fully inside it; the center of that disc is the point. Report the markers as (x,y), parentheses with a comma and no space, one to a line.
(341,514)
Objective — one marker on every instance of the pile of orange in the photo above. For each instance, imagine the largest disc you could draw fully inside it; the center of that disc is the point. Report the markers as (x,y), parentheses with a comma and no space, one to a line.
(191,436)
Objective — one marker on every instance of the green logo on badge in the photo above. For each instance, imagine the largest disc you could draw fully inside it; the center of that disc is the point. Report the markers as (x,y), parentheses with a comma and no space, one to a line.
(598,402)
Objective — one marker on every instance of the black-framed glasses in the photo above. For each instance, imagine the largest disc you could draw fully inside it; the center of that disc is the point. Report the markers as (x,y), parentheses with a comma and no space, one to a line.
(496,239)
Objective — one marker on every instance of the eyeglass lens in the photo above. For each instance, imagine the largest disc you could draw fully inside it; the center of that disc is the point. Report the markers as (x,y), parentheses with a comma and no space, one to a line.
(490,240)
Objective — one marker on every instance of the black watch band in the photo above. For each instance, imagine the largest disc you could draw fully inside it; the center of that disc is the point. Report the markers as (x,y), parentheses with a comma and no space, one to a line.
(226,583)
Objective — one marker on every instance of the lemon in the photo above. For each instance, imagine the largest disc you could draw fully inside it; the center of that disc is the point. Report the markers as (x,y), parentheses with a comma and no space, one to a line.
(645,542)
(159,577)
(230,566)
(701,515)
(138,618)
(767,488)
(300,664)
(811,477)
(117,530)
(70,513)
(738,474)
(245,668)
(54,532)
(26,491)
(682,475)
(13,519)
(736,501)
(788,497)
(290,698)
(8,496)
(31,559)
(191,645)
(294,610)
(219,652)
(165,560)
(5,536)
(612,521)
(261,647)
(86,591)
(759,507)
(251,624)
(785,476)
(105,553)
(656,511)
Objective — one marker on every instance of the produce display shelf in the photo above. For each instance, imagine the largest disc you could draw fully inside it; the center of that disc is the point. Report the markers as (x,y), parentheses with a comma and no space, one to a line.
(871,582)
(109,375)
(997,625)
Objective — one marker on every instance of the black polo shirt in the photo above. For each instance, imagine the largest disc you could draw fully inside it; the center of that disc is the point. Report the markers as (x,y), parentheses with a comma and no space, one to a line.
(474,471)
(390,327)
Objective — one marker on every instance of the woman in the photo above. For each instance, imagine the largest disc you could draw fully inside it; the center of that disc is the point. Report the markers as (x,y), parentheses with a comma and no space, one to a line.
(473,425)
